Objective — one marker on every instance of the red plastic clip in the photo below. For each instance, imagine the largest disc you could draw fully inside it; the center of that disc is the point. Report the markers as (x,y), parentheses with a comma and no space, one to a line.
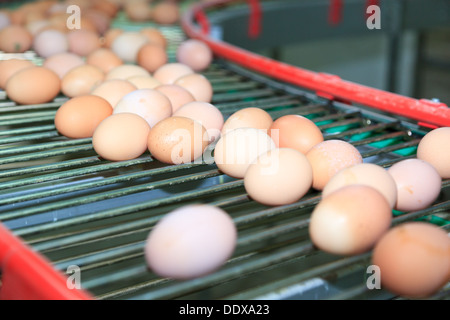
(335,13)
(254,28)
(203,21)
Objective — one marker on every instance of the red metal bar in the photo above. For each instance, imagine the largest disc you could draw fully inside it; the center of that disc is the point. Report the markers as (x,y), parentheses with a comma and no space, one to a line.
(430,113)
(26,275)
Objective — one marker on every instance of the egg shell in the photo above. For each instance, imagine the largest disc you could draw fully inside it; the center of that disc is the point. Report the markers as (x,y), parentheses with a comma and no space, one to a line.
(237,149)
(150,104)
(151,56)
(110,35)
(10,67)
(104,59)
(61,63)
(126,71)
(278,177)
(144,82)
(177,140)
(418,184)
(83,42)
(414,259)
(15,39)
(127,44)
(166,13)
(121,136)
(100,19)
(198,85)
(329,157)
(33,85)
(350,220)
(79,117)
(138,11)
(154,35)
(194,53)
(205,113)
(49,42)
(170,72)
(369,174)
(295,131)
(81,80)
(113,90)
(190,242)
(177,95)
(248,118)
(434,148)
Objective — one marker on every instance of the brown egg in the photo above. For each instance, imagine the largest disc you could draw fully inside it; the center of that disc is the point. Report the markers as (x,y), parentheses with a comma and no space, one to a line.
(104,59)
(81,80)
(151,56)
(33,85)
(127,44)
(100,19)
(80,116)
(110,35)
(15,39)
(205,113)
(61,63)
(121,137)
(248,118)
(194,53)
(198,85)
(83,42)
(166,13)
(150,104)
(350,220)
(109,7)
(138,11)
(126,71)
(144,82)
(177,140)
(170,72)
(113,90)
(329,157)
(177,95)
(155,36)
(11,66)
(434,149)
(413,259)
(295,131)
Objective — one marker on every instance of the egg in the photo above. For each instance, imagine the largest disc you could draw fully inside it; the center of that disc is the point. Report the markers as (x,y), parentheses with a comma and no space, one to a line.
(126,71)
(177,140)
(190,242)
(138,11)
(113,90)
(15,39)
(198,85)
(369,174)
(278,177)
(11,66)
(418,184)
(151,56)
(434,148)
(205,113)
(110,35)
(33,85)
(49,42)
(329,157)
(350,220)
(154,35)
(4,20)
(83,42)
(194,53)
(61,63)
(104,59)
(100,19)
(166,13)
(237,149)
(296,132)
(170,72)
(81,80)
(248,118)
(121,136)
(145,82)
(79,117)
(413,259)
(126,45)
(177,95)
(150,104)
